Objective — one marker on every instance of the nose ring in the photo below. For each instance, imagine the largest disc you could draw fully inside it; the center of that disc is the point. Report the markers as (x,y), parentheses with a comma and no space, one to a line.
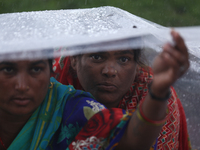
(115,71)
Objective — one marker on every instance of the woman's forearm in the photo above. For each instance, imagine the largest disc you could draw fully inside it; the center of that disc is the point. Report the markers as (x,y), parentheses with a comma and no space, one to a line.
(141,134)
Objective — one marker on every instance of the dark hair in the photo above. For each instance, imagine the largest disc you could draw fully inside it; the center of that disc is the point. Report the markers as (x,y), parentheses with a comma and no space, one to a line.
(140,59)
(51,65)
(137,55)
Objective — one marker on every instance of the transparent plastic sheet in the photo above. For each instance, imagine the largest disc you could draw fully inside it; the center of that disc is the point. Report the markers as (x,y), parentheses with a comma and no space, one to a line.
(49,34)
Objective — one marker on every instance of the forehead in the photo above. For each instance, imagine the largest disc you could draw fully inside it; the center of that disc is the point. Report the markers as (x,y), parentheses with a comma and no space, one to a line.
(121,52)
(116,52)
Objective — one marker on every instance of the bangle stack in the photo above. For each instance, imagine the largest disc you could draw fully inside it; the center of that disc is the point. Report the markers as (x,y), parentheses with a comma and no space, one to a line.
(143,118)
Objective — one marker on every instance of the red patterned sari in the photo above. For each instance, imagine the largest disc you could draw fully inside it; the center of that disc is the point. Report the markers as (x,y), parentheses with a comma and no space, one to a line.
(174,133)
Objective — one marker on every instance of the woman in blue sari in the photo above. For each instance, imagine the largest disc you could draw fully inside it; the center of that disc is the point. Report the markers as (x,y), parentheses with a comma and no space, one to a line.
(36,111)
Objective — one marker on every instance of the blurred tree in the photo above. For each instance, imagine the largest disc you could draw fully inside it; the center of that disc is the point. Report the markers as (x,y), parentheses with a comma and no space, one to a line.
(164,12)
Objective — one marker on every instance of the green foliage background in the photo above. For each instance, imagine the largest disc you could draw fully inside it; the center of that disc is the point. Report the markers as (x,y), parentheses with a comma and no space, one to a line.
(164,12)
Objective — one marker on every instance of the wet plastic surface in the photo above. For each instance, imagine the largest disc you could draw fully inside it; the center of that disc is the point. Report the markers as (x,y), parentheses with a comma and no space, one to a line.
(31,35)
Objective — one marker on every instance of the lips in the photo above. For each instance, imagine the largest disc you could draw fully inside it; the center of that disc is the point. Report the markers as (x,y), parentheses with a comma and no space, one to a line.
(107,87)
(22,101)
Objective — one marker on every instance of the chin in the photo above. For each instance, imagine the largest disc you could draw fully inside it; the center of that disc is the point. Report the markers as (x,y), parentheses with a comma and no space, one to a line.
(108,102)
(21,112)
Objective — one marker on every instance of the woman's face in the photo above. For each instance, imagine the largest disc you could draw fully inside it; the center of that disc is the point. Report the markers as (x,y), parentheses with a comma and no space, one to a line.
(23,86)
(106,75)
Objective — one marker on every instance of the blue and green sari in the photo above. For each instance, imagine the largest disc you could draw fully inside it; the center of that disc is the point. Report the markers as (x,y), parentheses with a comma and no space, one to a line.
(61,106)
(61,116)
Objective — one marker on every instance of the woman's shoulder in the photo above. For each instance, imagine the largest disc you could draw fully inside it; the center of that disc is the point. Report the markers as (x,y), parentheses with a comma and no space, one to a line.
(59,86)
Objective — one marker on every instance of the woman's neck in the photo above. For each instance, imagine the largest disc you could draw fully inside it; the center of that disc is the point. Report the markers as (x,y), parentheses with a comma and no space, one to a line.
(10,126)
(114,104)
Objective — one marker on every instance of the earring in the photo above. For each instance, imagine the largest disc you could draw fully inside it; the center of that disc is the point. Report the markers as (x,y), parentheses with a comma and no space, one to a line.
(115,71)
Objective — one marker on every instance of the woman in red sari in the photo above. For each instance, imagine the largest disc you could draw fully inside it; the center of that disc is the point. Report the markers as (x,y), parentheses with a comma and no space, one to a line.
(119,79)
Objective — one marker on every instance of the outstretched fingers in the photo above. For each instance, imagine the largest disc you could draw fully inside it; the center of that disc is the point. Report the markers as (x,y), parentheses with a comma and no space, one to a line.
(170,61)
(177,60)
(178,54)
(179,43)
(180,46)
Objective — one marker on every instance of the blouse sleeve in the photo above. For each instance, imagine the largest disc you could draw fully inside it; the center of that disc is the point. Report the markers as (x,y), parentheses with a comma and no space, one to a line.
(79,108)
(102,131)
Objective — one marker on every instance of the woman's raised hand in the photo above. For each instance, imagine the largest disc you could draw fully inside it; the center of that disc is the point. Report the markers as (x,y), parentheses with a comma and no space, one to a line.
(169,65)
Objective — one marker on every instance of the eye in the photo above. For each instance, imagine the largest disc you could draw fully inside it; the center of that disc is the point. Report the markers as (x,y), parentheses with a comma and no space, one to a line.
(124,59)
(96,57)
(8,70)
(36,69)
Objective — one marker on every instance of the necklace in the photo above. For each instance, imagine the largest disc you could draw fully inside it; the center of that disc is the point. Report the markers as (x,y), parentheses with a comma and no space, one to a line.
(2,143)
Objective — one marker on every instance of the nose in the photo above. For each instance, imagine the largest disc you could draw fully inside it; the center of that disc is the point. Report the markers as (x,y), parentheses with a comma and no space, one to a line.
(109,71)
(22,83)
